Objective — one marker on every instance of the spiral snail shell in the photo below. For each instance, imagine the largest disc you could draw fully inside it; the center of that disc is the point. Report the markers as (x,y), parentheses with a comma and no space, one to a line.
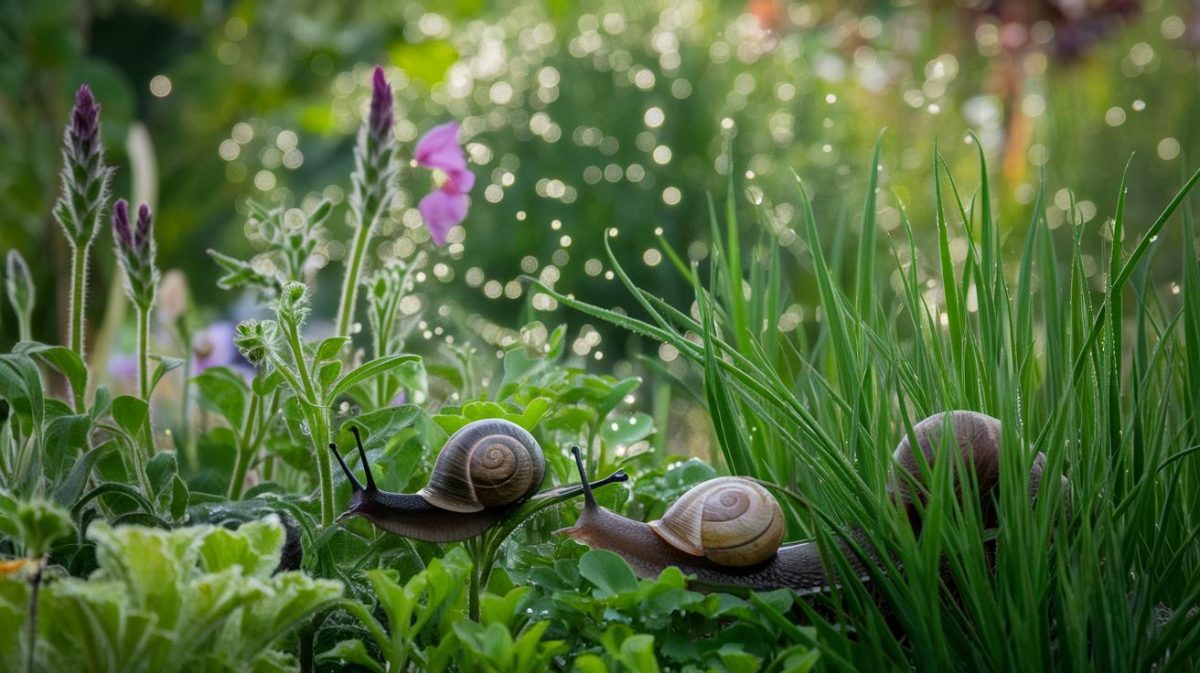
(487,463)
(730,520)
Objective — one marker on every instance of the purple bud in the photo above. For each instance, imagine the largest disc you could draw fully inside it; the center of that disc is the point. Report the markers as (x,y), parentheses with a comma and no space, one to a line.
(141,234)
(85,120)
(380,118)
(120,221)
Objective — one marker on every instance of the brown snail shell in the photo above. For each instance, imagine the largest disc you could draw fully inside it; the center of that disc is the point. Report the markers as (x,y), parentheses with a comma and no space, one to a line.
(487,463)
(731,521)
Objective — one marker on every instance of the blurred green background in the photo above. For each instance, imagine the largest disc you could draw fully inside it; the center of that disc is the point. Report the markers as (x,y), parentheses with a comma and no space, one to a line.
(582,118)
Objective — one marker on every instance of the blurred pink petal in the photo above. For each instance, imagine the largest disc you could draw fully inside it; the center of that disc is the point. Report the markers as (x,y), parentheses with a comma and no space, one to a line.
(439,148)
(441,210)
(459,182)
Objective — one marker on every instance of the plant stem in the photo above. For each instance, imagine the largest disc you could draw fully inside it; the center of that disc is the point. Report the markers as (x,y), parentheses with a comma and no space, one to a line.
(317,414)
(24,332)
(350,283)
(36,584)
(143,364)
(246,450)
(143,352)
(318,425)
(79,260)
(473,590)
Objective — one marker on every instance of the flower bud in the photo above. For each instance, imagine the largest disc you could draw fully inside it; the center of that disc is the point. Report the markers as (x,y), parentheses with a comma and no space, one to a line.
(19,283)
(292,306)
(85,176)
(135,251)
(375,165)
(256,341)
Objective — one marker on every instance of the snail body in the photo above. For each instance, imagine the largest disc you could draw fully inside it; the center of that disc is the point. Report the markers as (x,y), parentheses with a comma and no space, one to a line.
(727,531)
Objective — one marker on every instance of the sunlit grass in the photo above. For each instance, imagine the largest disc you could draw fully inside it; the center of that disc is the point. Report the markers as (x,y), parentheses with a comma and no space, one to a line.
(1099,575)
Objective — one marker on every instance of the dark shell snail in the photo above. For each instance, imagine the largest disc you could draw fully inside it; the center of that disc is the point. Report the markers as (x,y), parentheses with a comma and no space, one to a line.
(482,474)
(728,531)
(484,469)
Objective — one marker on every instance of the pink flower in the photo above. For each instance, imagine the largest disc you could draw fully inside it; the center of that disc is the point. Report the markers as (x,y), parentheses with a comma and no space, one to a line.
(446,206)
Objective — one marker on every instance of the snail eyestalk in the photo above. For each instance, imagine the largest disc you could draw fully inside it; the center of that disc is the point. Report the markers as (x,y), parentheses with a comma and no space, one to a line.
(355,484)
(362,453)
(589,500)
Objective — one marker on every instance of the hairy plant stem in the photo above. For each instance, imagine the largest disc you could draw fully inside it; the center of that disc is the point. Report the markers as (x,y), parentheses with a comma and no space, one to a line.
(143,353)
(246,451)
(35,583)
(79,261)
(143,365)
(316,413)
(350,284)
(24,333)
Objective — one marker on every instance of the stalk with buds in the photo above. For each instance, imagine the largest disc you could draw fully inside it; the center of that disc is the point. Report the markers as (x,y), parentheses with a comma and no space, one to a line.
(373,188)
(135,250)
(83,200)
(21,293)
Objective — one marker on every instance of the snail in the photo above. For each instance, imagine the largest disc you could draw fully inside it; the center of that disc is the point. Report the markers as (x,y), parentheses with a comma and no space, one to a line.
(728,531)
(484,472)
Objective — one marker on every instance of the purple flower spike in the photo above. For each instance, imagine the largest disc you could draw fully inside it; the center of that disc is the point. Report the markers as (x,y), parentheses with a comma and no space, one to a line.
(135,251)
(84,200)
(446,206)
(141,234)
(120,222)
(85,119)
(380,117)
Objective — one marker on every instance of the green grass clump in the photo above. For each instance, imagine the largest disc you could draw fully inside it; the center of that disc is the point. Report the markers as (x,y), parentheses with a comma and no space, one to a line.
(1102,377)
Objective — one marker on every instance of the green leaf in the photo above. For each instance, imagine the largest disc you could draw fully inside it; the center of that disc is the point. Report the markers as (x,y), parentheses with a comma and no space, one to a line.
(370,370)
(63,360)
(165,364)
(72,487)
(350,652)
(328,373)
(254,547)
(66,437)
(608,572)
(36,523)
(130,413)
(225,391)
(331,347)
(637,653)
(180,497)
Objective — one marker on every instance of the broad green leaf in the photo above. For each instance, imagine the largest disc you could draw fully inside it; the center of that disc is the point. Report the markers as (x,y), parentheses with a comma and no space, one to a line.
(637,653)
(254,547)
(609,573)
(225,391)
(130,413)
(63,360)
